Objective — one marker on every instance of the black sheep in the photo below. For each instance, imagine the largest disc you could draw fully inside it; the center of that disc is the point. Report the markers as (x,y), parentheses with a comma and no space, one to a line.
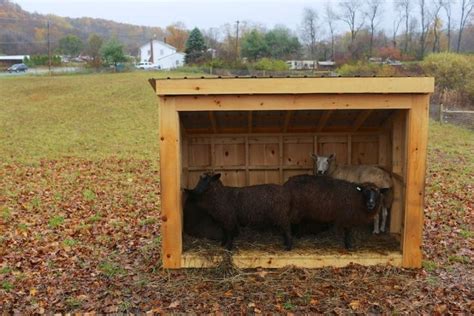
(328,200)
(196,222)
(264,205)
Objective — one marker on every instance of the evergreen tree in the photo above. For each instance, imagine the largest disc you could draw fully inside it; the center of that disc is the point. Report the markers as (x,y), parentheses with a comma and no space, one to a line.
(254,45)
(195,47)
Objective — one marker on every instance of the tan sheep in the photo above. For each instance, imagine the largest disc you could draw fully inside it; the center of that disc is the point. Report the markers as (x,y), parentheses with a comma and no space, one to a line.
(359,174)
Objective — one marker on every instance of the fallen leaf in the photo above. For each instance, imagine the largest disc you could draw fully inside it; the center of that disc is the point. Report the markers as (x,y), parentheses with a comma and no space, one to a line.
(354,304)
(174,304)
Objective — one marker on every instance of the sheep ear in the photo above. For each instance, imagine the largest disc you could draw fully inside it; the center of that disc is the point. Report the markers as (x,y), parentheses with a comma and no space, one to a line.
(358,188)
(332,156)
(216,177)
(313,156)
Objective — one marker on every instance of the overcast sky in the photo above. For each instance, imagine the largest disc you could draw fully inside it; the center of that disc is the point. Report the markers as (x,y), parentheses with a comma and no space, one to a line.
(200,13)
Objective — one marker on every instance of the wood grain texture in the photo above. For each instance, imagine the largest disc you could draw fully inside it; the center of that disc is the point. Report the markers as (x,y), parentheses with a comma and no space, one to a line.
(292,102)
(293,85)
(417,139)
(170,182)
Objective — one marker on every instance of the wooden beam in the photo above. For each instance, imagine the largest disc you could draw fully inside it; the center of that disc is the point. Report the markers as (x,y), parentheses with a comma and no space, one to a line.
(323,120)
(398,168)
(249,122)
(361,118)
(309,260)
(288,116)
(292,102)
(417,139)
(212,118)
(293,86)
(170,183)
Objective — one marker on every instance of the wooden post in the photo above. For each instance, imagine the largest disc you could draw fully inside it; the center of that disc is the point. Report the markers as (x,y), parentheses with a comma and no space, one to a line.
(417,139)
(441,109)
(170,178)
(398,167)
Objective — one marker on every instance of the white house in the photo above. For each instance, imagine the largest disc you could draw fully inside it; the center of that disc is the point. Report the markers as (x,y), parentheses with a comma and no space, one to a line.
(162,55)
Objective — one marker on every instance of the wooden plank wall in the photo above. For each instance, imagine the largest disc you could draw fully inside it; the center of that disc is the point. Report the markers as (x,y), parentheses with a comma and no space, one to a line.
(248,159)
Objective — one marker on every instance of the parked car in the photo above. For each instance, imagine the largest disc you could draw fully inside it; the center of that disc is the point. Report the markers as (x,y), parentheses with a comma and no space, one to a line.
(146,65)
(18,68)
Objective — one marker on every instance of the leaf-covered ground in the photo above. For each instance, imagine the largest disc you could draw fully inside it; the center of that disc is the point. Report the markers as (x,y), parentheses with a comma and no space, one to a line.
(79,234)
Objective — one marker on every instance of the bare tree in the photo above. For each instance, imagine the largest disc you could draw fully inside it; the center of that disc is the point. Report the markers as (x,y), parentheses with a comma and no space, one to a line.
(396,24)
(309,28)
(447,4)
(331,17)
(373,14)
(405,7)
(436,25)
(466,9)
(424,21)
(351,15)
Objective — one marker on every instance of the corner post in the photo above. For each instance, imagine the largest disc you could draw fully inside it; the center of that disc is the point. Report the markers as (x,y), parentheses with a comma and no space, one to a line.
(170,183)
(417,140)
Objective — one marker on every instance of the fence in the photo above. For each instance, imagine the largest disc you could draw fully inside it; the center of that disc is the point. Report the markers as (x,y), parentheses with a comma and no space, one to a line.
(458,117)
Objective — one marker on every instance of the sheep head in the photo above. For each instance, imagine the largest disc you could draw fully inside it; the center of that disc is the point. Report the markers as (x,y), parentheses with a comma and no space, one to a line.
(206,180)
(371,195)
(322,164)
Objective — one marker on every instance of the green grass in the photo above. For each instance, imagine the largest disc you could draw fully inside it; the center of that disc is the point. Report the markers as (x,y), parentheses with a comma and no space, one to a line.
(56,221)
(88,116)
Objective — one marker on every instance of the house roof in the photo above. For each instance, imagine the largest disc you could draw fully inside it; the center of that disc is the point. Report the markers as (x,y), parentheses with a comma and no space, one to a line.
(161,43)
(14,57)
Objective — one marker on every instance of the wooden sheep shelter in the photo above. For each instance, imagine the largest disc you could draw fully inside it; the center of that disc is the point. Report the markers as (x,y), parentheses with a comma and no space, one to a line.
(263,130)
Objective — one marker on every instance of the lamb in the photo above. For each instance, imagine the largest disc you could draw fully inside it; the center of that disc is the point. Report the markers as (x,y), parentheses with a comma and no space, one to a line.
(196,222)
(359,174)
(253,205)
(328,200)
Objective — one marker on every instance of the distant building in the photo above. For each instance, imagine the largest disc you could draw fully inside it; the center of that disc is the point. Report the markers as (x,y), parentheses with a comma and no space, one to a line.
(310,64)
(162,55)
(7,61)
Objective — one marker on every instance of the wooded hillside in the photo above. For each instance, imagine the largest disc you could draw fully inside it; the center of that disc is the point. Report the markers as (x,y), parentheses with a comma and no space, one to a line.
(22,32)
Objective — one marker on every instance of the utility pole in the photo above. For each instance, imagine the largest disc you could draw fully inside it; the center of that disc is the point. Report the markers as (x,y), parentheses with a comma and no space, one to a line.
(237,42)
(49,51)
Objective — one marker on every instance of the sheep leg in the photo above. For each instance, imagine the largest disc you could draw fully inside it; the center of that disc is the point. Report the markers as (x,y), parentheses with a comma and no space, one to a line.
(384,219)
(376,224)
(288,240)
(348,238)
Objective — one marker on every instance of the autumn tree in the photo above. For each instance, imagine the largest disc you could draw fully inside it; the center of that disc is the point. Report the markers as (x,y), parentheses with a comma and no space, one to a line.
(177,35)
(70,45)
(94,44)
(195,47)
(437,24)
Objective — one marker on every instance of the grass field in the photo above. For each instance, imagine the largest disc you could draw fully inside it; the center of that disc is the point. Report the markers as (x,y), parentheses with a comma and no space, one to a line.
(79,217)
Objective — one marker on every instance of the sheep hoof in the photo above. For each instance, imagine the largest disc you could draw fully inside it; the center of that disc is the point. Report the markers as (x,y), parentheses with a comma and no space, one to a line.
(376,232)
(382,230)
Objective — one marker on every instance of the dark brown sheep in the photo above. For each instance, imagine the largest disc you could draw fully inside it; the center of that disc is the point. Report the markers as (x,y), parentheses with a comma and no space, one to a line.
(258,205)
(196,221)
(327,200)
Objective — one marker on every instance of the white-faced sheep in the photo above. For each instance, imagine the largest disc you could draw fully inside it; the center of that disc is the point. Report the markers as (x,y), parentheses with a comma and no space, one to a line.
(266,204)
(327,200)
(326,165)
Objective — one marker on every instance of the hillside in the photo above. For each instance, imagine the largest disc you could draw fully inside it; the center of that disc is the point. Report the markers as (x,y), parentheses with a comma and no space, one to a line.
(22,32)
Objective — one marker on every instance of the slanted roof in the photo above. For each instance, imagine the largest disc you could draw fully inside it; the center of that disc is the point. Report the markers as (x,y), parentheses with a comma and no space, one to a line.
(292,85)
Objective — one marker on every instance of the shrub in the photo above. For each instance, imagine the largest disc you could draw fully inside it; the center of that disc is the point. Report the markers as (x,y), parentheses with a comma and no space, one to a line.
(451,71)
(366,69)
(270,65)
